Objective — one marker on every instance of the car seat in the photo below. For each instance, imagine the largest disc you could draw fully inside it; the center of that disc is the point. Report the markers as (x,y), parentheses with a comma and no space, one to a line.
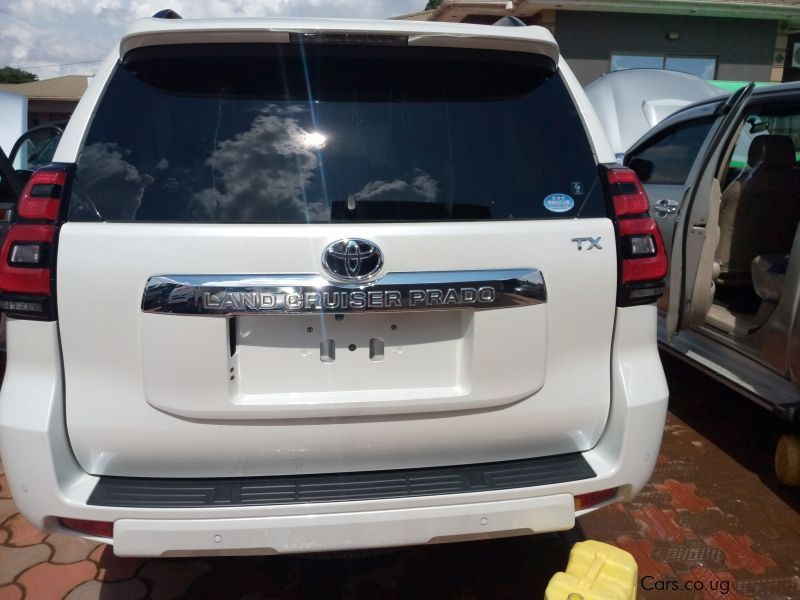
(760,210)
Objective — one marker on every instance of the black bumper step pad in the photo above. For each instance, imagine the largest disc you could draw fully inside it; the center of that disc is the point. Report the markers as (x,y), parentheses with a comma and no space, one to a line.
(339,487)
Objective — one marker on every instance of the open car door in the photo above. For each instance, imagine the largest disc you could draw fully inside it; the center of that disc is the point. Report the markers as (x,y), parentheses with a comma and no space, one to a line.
(691,281)
(10,184)
(10,190)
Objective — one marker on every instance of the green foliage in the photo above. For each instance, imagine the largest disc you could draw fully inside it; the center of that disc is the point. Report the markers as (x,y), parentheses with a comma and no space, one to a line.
(432,4)
(12,75)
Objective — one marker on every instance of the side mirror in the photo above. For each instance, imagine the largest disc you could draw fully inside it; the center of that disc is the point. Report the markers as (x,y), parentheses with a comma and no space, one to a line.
(642,167)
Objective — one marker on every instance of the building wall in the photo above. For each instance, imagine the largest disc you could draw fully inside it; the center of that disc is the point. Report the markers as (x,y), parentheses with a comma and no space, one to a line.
(791,67)
(42,112)
(13,118)
(744,47)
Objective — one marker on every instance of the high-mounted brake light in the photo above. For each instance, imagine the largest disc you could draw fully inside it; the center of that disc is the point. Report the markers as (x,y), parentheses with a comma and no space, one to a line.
(27,254)
(361,39)
(643,259)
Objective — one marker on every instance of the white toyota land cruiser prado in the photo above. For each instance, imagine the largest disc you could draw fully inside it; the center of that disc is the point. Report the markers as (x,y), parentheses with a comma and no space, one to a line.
(299,285)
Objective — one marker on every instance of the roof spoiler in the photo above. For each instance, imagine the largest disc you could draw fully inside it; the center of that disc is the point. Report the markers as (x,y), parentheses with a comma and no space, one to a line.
(167,13)
(507,21)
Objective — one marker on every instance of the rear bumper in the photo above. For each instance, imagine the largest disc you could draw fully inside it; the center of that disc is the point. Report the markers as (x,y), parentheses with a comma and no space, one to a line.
(48,483)
(339,531)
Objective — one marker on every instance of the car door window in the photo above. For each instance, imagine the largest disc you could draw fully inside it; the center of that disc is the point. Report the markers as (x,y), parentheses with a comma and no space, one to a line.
(667,159)
(35,148)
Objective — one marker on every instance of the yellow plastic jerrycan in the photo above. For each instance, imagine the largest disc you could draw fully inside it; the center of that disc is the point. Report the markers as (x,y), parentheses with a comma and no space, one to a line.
(596,571)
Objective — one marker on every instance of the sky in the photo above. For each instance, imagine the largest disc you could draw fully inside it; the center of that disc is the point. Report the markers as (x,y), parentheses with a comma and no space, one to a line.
(62,37)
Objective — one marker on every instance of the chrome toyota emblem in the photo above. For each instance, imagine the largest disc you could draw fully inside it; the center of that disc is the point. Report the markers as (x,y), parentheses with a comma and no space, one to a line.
(352,259)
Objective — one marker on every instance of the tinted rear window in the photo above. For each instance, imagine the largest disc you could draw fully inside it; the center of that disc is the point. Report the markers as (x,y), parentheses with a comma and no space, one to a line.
(284,133)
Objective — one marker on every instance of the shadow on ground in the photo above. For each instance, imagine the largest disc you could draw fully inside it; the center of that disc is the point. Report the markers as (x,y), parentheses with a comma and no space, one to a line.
(507,568)
(745,431)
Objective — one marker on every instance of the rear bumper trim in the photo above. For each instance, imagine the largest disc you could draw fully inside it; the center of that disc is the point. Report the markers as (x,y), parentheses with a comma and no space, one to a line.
(339,487)
(324,532)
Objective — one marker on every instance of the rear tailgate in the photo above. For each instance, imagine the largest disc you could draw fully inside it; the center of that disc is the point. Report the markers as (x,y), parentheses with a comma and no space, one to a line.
(193,342)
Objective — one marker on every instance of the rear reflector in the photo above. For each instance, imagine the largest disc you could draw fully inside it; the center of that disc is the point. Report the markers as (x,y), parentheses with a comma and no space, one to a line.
(24,307)
(643,259)
(95,528)
(594,498)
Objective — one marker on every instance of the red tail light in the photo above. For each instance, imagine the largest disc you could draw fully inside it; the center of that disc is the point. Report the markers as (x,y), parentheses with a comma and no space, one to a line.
(27,254)
(25,264)
(41,198)
(643,259)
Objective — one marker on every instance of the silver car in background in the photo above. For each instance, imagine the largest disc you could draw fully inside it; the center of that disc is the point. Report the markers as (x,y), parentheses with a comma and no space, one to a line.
(724,186)
(631,102)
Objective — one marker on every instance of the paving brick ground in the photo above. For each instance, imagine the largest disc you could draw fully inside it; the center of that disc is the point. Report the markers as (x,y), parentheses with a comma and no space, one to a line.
(705,521)
(712,516)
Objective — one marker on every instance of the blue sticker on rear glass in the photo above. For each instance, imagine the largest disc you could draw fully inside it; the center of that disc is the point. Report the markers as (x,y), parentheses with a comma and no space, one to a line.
(559,203)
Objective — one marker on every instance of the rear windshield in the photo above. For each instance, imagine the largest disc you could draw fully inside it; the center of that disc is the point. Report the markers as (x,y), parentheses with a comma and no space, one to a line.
(321,133)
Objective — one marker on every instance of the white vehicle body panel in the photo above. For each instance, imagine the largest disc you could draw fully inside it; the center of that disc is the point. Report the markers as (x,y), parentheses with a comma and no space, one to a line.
(545,366)
(603,149)
(47,481)
(146,32)
(368,529)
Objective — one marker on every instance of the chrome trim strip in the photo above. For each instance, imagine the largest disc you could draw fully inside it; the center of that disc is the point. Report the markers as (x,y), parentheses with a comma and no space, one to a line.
(223,295)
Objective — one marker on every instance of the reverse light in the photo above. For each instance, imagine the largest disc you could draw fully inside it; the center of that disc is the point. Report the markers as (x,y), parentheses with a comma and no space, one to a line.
(583,501)
(27,254)
(637,246)
(94,528)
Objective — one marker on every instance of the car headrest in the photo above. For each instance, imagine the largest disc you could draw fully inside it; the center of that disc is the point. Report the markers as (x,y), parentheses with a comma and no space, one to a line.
(771,151)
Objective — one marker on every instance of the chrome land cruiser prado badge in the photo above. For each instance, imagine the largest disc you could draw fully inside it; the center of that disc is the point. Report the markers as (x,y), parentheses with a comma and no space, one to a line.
(312,294)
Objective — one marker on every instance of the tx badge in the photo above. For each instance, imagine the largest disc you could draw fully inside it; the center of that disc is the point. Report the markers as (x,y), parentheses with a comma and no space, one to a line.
(587,242)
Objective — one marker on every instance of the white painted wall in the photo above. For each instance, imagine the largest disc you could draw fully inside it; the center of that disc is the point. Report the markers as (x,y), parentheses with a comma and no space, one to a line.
(13,119)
